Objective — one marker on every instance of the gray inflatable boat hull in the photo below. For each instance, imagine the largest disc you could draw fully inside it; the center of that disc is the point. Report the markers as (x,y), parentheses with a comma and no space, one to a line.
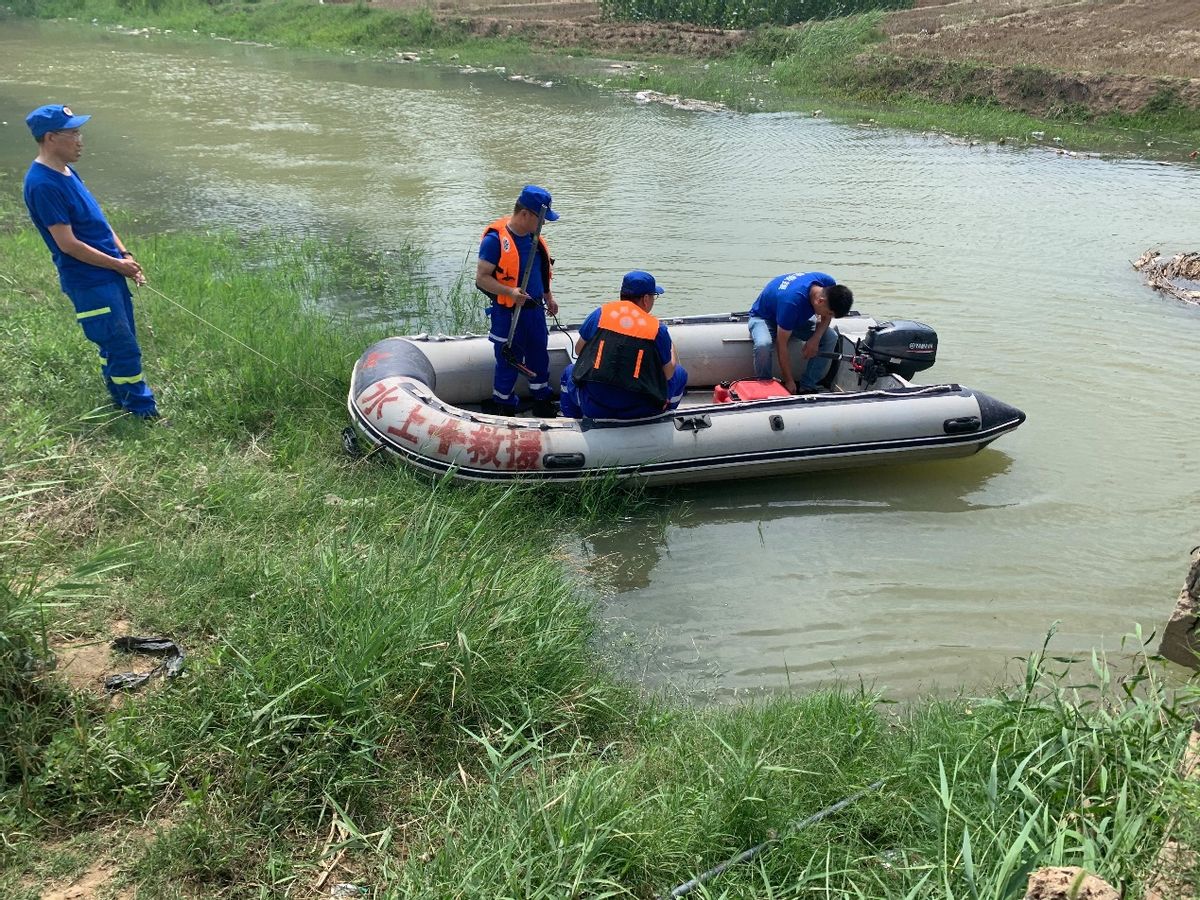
(410,397)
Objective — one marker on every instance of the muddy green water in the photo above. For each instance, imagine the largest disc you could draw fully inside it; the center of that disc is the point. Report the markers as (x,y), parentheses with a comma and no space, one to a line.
(908,578)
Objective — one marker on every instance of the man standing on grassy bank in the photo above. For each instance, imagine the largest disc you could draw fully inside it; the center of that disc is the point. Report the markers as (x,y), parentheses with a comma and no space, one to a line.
(92,262)
(505,252)
(783,312)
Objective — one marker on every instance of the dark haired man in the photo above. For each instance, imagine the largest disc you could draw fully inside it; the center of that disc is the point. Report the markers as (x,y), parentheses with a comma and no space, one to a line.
(506,251)
(784,311)
(627,366)
(92,262)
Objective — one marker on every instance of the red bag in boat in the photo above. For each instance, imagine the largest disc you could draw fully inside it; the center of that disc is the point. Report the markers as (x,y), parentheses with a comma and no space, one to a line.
(749,389)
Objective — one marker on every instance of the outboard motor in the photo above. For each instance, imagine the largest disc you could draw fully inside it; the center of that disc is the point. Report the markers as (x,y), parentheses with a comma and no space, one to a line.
(895,348)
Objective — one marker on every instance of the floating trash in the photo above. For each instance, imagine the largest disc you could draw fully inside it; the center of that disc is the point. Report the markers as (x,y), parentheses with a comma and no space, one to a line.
(1166,275)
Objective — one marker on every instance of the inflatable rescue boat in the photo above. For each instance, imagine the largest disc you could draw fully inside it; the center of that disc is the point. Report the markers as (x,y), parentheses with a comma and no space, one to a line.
(419,398)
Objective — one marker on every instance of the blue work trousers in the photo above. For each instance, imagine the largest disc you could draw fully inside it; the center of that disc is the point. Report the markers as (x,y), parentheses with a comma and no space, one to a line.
(529,346)
(105,312)
(574,402)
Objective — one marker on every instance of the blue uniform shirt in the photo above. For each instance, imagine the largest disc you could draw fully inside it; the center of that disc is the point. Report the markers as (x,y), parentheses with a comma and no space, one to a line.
(615,402)
(784,301)
(489,249)
(56,199)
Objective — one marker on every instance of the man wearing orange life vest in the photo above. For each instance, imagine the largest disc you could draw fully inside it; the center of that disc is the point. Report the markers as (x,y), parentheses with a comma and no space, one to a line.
(505,252)
(627,367)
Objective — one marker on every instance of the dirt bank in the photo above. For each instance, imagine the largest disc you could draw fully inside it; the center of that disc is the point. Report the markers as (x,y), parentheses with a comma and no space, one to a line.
(1049,57)
(1151,38)
(1044,57)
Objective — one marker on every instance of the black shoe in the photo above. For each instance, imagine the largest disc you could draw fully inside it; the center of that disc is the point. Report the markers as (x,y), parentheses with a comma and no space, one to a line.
(545,409)
(154,418)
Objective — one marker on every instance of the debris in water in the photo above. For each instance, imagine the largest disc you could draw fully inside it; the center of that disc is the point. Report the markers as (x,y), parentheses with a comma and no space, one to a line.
(1164,275)
(674,100)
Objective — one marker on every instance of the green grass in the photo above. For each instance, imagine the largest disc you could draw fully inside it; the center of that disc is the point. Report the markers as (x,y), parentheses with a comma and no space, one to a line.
(404,678)
(742,13)
(292,23)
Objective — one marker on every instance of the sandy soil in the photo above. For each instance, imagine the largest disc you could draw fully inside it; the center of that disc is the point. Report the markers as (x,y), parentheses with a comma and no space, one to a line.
(1071,883)
(92,884)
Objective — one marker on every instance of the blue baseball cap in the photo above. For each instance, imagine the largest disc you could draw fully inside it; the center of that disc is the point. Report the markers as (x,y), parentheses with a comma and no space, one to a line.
(533,198)
(637,283)
(53,118)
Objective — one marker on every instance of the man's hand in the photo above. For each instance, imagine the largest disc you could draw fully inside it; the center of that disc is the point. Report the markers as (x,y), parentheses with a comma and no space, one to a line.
(790,384)
(130,268)
(812,346)
(551,304)
(518,295)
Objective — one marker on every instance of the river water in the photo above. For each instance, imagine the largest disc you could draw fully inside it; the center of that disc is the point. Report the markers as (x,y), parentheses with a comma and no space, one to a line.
(906,578)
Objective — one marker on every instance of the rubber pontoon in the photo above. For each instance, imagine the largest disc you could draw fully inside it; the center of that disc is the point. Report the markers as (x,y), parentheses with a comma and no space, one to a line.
(417,397)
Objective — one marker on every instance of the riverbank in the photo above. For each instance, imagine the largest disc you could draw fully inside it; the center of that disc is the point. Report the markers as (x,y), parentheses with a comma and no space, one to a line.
(949,67)
(400,685)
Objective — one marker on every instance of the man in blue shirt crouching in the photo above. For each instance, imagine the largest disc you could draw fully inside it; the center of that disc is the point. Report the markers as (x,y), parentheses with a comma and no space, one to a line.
(784,311)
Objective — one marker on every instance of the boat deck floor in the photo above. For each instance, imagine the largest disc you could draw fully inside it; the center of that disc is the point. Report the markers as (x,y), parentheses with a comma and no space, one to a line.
(694,397)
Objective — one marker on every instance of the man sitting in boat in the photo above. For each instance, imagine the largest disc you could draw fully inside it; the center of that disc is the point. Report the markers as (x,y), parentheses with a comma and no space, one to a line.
(510,246)
(627,366)
(784,312)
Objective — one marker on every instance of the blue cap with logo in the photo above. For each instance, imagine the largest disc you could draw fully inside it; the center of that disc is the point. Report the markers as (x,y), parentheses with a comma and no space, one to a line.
(533,198)
(53,118)
(637,283)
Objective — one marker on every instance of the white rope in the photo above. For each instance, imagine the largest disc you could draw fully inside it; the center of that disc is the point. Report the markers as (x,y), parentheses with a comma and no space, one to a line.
(242,343)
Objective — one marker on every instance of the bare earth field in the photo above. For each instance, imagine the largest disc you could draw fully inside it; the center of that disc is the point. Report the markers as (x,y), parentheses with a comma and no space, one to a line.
(1108,55)
(1133,37)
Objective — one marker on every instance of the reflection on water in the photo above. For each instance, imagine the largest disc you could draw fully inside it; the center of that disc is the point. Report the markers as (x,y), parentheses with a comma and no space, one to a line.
(623,559)
(798,581)
(907,576)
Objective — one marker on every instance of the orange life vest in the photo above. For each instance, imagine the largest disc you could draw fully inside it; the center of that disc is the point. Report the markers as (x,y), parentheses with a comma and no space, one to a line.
(623,353)
(509,266)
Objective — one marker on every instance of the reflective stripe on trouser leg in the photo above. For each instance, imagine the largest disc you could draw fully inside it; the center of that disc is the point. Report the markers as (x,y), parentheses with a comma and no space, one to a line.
(533,338)
(504,378)
(568,399)
(676,387)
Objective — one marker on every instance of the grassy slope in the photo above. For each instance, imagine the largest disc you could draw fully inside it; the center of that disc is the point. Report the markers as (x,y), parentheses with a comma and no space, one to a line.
(404,676)
(825,64)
